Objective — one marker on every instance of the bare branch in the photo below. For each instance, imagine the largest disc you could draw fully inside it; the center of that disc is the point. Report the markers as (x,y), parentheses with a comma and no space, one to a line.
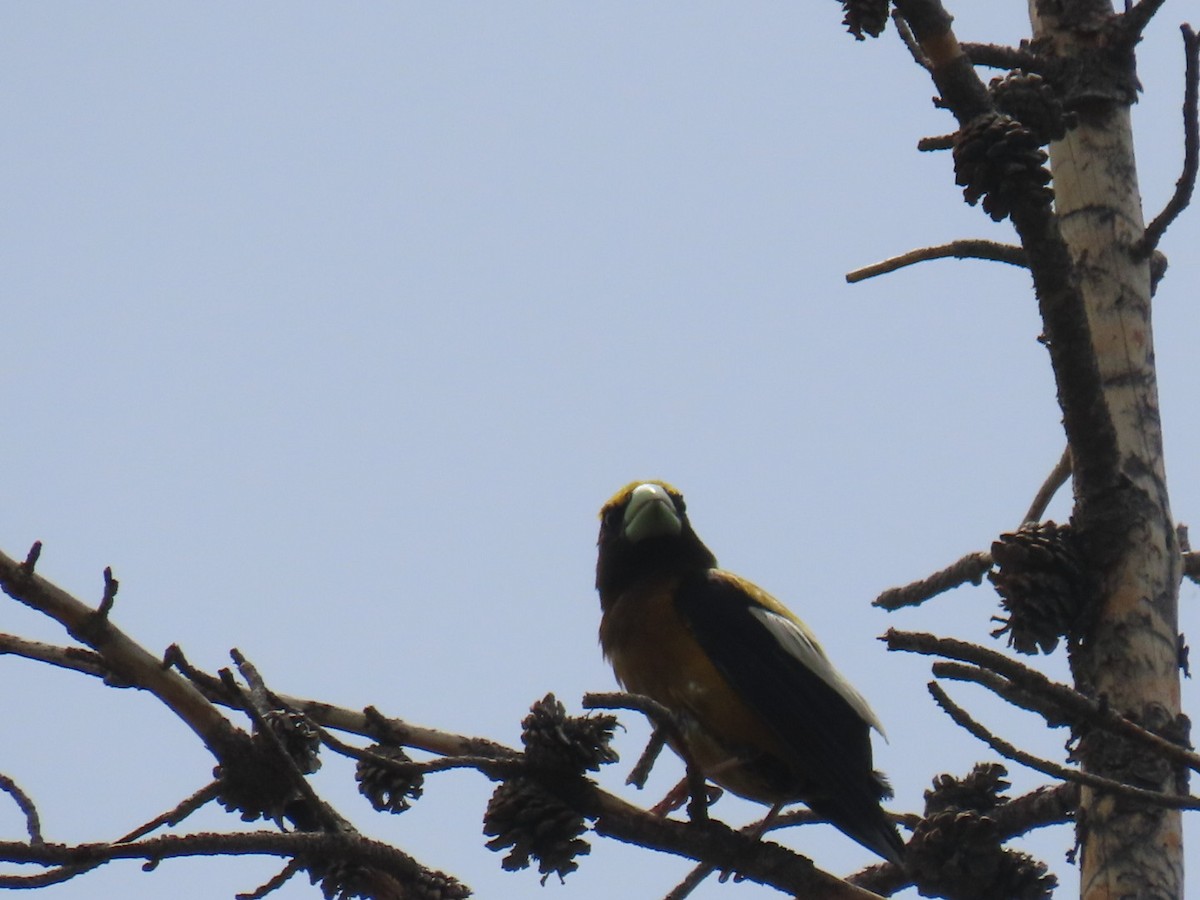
(1003,688)
(713,842)
(1056,479)
(1191,566)
(665,720)
(1191,147)
(1137,17)
(174,816)
(490,766)
(33,822)
(1089,426)
(640,772)
(910,40)
(971,568)
(999,56)
(992,251)
(939,142)
(1051,804)
(31,558)
(121,654)
(1045,766)
(274,883)
(391,862)
(1073,706)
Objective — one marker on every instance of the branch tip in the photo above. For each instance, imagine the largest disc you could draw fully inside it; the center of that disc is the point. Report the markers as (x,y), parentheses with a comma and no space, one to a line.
(1186,184)
(111,585)
(992,251)
(33,822)
(31,558)
(970,568)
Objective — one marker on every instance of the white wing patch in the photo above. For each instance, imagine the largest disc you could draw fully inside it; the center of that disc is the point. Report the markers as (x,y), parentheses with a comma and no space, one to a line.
(801,645)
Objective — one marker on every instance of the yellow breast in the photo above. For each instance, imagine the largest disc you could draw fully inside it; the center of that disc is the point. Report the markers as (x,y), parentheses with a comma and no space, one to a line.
(653,653)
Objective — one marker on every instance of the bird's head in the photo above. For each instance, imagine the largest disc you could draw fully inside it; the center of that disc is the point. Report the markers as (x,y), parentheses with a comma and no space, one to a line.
(645,532)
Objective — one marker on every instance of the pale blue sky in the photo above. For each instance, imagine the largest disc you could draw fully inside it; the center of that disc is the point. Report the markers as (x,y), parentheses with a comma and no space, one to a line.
(331,326)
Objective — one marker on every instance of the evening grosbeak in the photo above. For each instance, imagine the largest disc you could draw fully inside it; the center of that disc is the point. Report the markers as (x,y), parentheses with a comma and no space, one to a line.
(761,710)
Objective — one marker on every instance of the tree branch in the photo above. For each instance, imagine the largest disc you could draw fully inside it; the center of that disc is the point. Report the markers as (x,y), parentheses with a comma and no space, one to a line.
(1073,706)
(1191,148)
(1045,766)
(395,864)
(1191,566)
(1135,19)
(1054,481)
(971,568)
(33,822)
(999,56)
(992,251)
(124,657)
(710,842)
(1090,430)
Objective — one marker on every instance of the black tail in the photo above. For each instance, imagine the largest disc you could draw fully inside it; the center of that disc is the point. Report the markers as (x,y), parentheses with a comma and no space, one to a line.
(866,822)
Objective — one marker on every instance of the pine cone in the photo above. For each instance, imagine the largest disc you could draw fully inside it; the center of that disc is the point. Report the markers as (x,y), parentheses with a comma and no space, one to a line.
(299,737)
(865,16)
(1041,583)
(253,782)
(388,789)
(956,851)
(536,825)
(1031,100)
(342,879)
(981,791)
(998,159)
(555,741)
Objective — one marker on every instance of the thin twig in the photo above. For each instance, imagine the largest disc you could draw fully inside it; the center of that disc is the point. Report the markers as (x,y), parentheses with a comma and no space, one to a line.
(765,863)
(31,559)
(999,56)
(784,820)
(1056,479)
(1046,767)
(490,766)
(937,142)
(640,772)
(33,822)
(1191,566)
(1050,804)
(178,814)
(663,719)
(121,654)
(992,251)
(1137,17)
(910,40)
(256,706)
(110,593)
(1003,688)
(971,568)
(366,723)
(274,883)
(1073,705)
(1191,147)
(304,845)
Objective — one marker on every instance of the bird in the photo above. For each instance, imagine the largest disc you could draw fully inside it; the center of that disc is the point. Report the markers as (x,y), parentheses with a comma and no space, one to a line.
(759,708)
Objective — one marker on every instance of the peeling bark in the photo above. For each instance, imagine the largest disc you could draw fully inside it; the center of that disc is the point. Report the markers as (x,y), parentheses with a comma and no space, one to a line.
(1127,649)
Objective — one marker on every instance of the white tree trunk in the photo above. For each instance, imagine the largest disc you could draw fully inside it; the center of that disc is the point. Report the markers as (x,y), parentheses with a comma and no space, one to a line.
(1130,649)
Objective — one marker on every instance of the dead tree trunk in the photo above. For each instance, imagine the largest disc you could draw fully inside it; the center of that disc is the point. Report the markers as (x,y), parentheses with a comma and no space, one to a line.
(1127,649)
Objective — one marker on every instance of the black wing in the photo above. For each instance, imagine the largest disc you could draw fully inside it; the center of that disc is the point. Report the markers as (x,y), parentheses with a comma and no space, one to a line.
(787,681)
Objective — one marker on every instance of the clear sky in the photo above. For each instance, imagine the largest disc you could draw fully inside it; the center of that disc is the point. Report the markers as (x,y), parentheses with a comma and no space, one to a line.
(330,327)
